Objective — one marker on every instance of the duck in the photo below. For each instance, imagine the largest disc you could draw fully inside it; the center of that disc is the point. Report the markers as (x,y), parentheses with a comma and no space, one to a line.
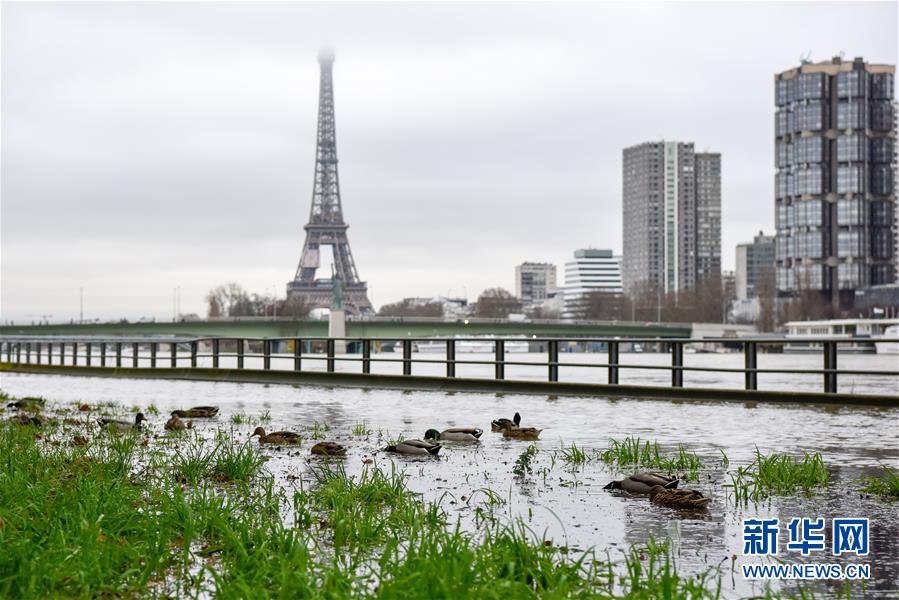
(521,433)
(455,434)
(175,424)
(641,483)
(122,426)
(31,403)
(27,420)
(415,447)
(197,412)
(500,424)
(328,449)
(277,437)
(689,499)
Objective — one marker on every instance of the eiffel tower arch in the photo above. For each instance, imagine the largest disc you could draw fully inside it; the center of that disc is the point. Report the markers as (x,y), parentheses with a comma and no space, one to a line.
(326,226)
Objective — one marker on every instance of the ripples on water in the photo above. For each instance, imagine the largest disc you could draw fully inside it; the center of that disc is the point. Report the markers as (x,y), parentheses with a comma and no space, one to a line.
(570,507)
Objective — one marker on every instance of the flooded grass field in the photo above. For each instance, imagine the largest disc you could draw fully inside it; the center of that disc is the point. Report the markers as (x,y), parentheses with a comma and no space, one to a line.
(551,492)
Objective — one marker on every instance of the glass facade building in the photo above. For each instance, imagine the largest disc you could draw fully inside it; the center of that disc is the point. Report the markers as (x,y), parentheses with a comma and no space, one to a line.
(835,198)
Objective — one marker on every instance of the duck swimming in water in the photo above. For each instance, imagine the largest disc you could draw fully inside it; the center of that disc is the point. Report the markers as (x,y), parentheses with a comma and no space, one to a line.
(277,437)
(641,483)
(197,412)
(502,423)
(687,499)
(415,448)
(454,434)
(122,426)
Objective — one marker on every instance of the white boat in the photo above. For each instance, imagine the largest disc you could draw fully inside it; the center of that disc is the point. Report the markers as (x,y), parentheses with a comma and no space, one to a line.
(891,332)
(472,346)
(857,335)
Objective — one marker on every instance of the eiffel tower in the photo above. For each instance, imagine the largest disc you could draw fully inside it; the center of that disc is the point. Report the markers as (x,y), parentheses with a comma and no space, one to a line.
(326,226)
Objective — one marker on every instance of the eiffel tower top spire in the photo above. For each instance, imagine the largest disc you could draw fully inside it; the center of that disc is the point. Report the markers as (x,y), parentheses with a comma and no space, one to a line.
(326,226)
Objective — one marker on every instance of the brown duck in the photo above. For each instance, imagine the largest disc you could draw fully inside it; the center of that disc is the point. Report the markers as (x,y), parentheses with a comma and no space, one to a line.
(197,412)
(328,449)
(689,499)
(277,437)
(175,424)
(502,423)
(641,483)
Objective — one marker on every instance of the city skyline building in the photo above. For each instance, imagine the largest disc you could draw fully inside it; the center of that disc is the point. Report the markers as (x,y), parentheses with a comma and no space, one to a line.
(834,182)
(534,283)
(592,270)
(671,216)
(752,258)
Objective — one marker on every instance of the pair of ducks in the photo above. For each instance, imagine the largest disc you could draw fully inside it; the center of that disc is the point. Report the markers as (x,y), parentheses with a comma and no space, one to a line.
(289,438)
(662,491)
(511,428)
(430,445)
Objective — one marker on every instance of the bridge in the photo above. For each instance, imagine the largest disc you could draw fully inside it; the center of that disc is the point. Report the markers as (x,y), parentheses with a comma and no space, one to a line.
(373,327)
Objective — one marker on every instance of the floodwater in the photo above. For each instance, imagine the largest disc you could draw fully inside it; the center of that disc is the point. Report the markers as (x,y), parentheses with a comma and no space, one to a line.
(567,506)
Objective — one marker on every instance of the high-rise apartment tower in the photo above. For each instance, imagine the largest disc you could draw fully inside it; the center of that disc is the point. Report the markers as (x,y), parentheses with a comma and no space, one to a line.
(834,191)
(671,202)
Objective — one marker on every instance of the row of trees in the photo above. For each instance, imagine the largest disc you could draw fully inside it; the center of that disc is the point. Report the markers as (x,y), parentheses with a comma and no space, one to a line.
(231,300)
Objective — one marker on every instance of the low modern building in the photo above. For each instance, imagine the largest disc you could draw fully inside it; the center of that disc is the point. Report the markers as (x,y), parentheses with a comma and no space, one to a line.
(591,270)
(753,260)
(534,283)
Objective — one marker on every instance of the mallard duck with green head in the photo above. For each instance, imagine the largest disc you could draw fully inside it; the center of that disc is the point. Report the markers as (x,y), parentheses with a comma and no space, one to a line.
(501,423)
(197,412)
(454,434)
(686,499)
(415,448)
(122,426)
(642,483)
(285,438)
(29,403)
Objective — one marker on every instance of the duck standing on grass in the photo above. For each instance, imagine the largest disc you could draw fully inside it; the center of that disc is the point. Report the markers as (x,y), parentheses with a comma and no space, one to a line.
(688,499)
(641,483)
(122,426)
(197,412)
(454,434)
(277,437)
(415,448)
(29,403)
(328,449)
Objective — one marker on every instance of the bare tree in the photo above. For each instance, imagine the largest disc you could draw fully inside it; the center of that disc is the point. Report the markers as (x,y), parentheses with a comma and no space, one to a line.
(496,303)
(295,306)
(410,308)
(214,310)
(600,305)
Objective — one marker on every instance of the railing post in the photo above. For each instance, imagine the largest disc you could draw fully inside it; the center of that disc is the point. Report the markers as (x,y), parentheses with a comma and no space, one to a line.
(450,358)
(407,357)
(27,352)
(88,346)
(750,364)
(830,367)
(102,354)
(215,353)
(613,363)
(297,354)
(677,363)
(135,353)
(74,354)
(193,354)
(153,346)
(500,359)
(174,354)
(38,352)
(62,353)
(330,350)
(118,354)
(552,348)
(239,343)
(266,354)
(366,356)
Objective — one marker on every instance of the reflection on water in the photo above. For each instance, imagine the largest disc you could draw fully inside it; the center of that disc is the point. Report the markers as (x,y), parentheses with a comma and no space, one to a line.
(568,506)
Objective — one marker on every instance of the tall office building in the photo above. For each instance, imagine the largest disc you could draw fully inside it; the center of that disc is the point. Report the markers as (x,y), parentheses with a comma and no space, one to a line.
(591,271)
(535,282)
(752,260)
(671,202)
(834,186)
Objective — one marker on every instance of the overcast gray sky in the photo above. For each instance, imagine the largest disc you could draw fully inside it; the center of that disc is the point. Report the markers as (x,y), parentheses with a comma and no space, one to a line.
(152,145)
